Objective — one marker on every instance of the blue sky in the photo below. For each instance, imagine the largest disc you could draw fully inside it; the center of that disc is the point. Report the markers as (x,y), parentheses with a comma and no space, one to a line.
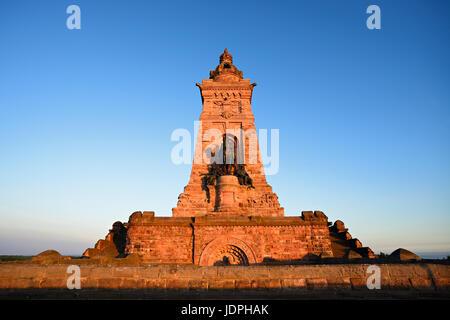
(86,115)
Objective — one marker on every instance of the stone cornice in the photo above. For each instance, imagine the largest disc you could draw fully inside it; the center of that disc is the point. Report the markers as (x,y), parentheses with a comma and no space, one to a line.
(222,87)
(316,218)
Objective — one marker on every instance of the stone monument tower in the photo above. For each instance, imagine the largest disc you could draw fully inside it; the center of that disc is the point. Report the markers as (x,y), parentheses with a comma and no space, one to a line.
(228,213)
(227,122)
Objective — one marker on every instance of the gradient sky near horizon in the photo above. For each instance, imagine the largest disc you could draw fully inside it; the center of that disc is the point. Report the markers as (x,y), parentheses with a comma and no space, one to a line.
(86,115)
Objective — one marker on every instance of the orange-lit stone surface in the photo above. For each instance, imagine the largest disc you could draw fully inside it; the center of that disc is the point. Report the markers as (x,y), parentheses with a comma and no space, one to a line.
(228,221)
(207,240)
(227,98)
(415,277)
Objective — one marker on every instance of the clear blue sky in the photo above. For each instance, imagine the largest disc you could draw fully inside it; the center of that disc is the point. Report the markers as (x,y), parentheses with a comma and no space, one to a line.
(86,115)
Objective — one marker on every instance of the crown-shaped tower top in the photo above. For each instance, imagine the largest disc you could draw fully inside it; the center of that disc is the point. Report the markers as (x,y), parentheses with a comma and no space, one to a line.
(226,71)
(225,56)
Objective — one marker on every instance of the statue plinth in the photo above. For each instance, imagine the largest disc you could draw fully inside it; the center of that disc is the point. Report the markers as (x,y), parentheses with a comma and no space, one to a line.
(227,187)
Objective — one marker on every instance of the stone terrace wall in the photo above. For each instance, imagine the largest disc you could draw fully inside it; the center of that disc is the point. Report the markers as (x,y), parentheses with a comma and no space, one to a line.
(184,239)
(276,242)
(344,276)
(161,243)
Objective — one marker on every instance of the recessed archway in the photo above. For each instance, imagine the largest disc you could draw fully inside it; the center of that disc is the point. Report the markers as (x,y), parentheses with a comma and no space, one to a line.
(227,251)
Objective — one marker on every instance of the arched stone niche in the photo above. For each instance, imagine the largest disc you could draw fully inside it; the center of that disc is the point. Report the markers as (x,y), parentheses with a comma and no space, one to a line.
(227,251)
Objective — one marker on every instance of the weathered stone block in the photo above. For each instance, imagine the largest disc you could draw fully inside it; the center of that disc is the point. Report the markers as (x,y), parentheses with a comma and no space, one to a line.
(156,283)
(317,284)
(243,284)
(53,283)
(266,284)
(24,283)
(124,272)
(358,283)
(198,284)
(442,283)
(89,283)
(5,283)
(396,283)
(339,283)
(149,272)
(177,284)
(221,284)
(294,283)
(52,271)
(128,283)
(109,283)
(421,283)
(97,272)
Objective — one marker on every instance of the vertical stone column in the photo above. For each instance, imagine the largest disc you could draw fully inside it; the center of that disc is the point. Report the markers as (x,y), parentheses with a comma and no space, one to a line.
(226,192)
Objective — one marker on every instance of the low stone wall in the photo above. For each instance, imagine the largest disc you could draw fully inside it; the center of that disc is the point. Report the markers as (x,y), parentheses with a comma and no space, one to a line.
(205,240)
(411,276)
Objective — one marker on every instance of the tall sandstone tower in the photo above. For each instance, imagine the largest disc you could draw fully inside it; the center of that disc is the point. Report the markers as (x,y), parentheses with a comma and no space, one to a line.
(227,98)
(228,213)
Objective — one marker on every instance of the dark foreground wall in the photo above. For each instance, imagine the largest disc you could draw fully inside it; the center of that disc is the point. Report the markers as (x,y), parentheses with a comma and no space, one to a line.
(349,277)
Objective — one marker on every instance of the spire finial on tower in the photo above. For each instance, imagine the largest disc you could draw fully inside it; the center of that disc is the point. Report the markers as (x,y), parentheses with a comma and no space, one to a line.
(226,71)
(225,56)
